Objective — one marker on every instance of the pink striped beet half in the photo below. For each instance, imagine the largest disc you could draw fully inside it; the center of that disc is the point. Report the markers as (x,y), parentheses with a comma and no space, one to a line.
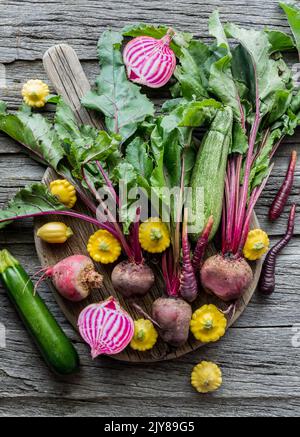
(150,61)
(106,327)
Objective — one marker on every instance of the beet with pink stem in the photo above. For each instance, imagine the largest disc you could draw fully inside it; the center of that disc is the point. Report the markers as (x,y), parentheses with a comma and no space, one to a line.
(228,275)
(73,277)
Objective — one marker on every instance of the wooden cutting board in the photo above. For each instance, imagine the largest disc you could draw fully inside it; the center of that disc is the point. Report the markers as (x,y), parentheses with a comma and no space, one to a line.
(69,80)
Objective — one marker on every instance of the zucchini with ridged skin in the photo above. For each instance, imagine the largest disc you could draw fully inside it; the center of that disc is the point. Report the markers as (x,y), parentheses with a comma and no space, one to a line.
(209,173)
(55,347)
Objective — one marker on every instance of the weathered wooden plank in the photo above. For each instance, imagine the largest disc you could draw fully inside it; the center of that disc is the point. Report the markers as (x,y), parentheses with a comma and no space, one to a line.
(29,28)
(150,408)
(66,74)
(264,368)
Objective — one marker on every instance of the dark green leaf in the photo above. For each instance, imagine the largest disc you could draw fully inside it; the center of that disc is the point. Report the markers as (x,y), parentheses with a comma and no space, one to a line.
(257,64)
(138,156)
(190,73)
(239,139)
(221,82)
(293,15)
(30,200)
(82,143)
(261,165)
(128,179)
(282,100)
(34,132)
(279,41)
(197,113)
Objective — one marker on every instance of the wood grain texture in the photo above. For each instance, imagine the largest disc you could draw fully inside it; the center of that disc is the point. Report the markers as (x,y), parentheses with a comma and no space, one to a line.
(30,27)
(262,379)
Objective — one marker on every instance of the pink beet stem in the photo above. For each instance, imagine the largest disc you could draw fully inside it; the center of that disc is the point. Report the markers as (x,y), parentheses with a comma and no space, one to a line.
(170,274)
(138,256)
(80,216)
(111,222)
(236,198)
(252,202)
(202,245)
(281,197)
(165,271)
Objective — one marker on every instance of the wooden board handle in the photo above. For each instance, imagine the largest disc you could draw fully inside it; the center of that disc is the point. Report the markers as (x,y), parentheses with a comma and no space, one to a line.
(63,68)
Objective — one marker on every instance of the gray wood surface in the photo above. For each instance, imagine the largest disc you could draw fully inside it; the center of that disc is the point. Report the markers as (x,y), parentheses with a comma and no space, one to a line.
(260,365)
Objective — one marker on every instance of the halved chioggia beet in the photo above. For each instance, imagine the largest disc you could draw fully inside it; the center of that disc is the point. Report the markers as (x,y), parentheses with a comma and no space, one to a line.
(150,61)
(106,327)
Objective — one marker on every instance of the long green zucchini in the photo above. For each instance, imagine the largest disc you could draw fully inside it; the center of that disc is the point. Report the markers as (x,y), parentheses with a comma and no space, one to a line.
(209,173)
(56,348)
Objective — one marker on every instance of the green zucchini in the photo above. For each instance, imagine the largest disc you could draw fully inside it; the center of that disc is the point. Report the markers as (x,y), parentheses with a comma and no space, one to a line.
(55,347)
(209,174)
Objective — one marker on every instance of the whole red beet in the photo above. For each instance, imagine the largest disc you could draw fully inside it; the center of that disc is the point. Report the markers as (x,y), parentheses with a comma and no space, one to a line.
(228,278)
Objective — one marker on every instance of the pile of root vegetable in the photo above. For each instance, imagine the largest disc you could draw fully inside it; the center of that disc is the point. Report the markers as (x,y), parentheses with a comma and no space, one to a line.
(241,93)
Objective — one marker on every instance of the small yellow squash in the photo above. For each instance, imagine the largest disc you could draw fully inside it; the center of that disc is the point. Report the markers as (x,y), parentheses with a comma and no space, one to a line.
(145,335)
(55,232)
(64,191)
(103,247)
(34,93)
(206,377)
(208,324)
(257,244)
(154,235)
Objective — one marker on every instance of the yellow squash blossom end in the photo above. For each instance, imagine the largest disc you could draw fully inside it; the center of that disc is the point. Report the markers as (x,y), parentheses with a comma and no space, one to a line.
(154,235)
(257,244)
(64,191)
(208,324)
(34,93)
(103,247)
(206,377)
(145,335)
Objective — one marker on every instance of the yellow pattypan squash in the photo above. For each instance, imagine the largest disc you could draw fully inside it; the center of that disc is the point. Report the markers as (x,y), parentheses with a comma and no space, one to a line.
(65,192)
(103,247)
(145,335)
(154,235)
(208,324)
(54,232)
(206,377)
(257,244)
(34,93)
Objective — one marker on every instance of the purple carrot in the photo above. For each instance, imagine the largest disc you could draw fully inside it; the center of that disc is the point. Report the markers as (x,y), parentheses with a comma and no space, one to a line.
(188,282)
(284,191)
(202,245)
(267,279)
